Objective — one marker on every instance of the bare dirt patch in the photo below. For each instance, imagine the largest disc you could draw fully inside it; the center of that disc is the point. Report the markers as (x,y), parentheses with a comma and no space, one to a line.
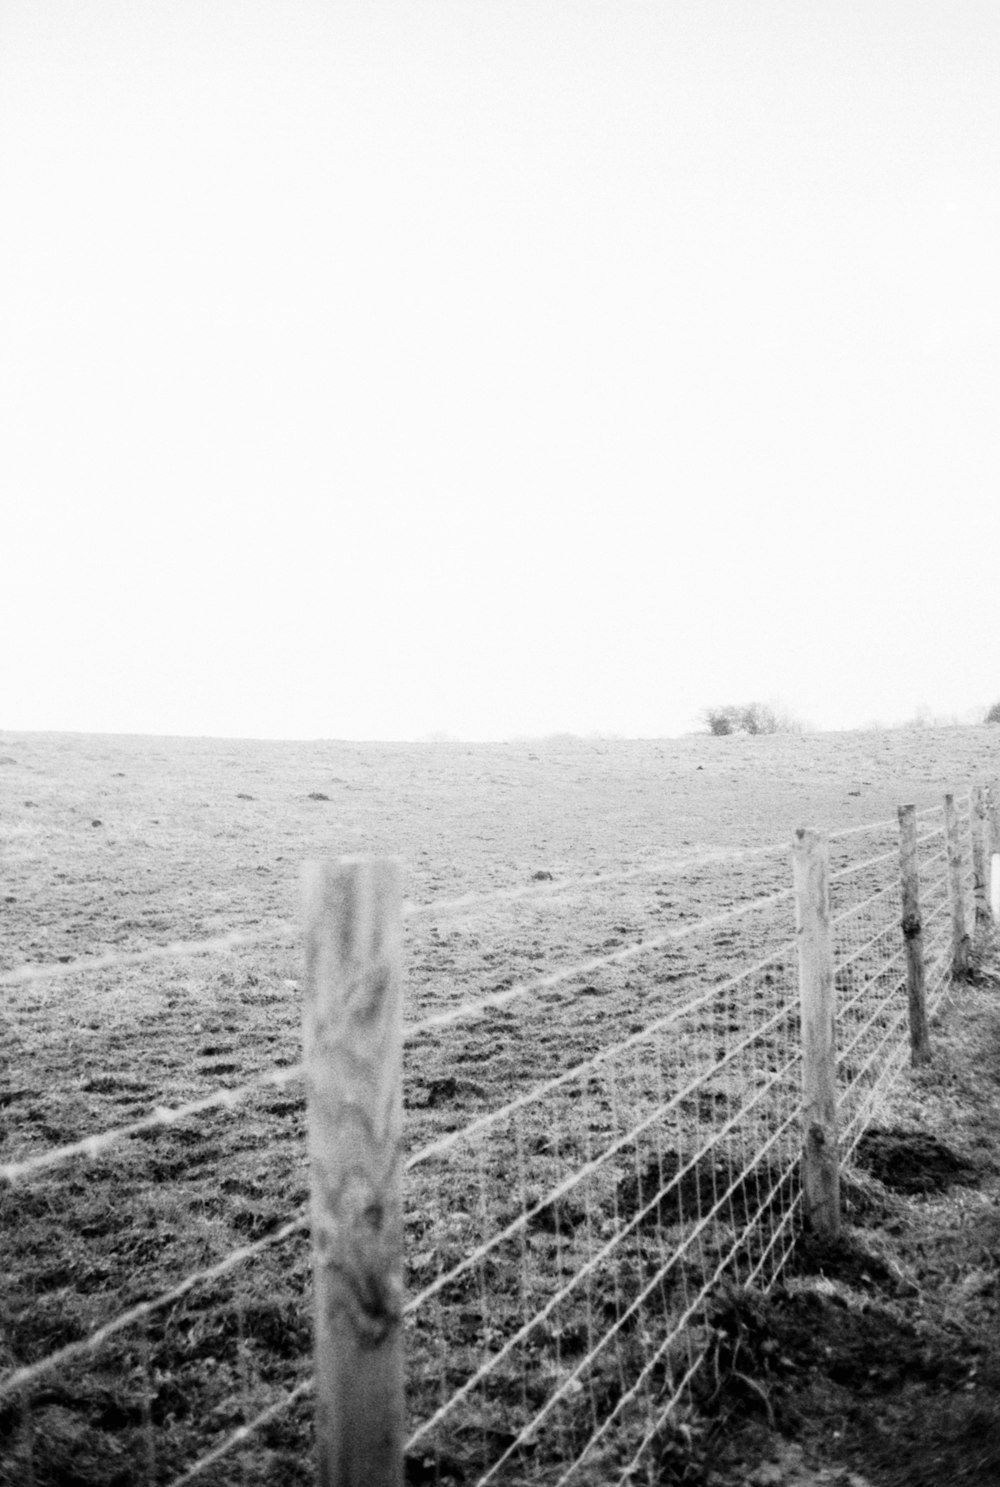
(913,1161)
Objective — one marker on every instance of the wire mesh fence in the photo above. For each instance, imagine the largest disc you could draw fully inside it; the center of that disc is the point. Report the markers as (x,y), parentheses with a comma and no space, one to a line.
(871,973)
(563,1242)
(871,1007)
(555,1318)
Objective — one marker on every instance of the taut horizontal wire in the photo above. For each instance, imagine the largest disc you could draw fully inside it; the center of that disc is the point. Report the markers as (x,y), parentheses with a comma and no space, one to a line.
(238,939)
(444,1143)
(569,1380)
(673,868)
(93,1146)
(856,867)
(175,950)
(836,836)
(651,1363)
(886,1007)
(244,1432)
(671,1338)
(843,961)
(32,1371)
(591,1263)
(863,903)
(862,992)
(509,994)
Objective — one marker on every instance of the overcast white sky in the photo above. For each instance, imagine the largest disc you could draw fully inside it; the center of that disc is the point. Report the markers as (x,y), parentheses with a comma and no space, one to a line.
(497,366)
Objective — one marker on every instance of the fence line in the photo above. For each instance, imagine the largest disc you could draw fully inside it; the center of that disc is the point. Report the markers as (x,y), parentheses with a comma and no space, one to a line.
(99,1143)
(551,1196)
(869,862)
(592,1264)
(685,1317)
(244,939)
(625,1045)
(686,1171)
(874,1043)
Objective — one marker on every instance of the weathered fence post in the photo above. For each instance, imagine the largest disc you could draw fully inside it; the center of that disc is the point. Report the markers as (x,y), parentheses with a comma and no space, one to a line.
(993,810)
(913,935)
(353,1055)
(820,1163)
(960,943)
(977,827)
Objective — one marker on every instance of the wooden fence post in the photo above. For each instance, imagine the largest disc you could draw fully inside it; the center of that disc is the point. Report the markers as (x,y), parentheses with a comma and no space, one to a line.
(960,943)
(977,826)
(353,1055)
(993,812)
(913,935)
(820,1162)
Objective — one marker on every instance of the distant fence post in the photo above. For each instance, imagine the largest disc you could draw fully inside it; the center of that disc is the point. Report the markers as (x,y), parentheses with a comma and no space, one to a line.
(353,1056)
(977,826)
(960,944)
(820,1162)
(993,809)
(913,935)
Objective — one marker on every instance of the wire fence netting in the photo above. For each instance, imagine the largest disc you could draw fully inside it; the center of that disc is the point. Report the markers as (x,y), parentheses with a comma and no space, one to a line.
(554,1316)
(603,1123)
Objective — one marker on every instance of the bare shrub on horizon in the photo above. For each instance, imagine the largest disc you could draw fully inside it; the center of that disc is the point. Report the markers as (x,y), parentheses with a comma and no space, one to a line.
(753,718)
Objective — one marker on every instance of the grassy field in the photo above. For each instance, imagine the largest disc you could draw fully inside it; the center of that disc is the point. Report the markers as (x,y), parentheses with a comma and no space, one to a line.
(114,843)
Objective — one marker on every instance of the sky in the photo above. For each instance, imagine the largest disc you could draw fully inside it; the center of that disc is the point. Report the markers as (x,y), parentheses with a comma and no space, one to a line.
(497,367)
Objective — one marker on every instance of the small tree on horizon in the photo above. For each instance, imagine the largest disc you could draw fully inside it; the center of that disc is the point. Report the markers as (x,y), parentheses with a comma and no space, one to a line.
(993,716)
(758,718)
(753,718)
(722,720)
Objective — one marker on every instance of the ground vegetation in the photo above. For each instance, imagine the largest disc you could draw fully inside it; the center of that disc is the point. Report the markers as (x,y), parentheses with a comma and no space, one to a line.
(113,844)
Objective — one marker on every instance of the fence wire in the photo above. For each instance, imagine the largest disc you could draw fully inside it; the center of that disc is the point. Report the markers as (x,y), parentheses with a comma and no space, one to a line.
(559,1305)
(172,1386)
(871,974)
(562,1248)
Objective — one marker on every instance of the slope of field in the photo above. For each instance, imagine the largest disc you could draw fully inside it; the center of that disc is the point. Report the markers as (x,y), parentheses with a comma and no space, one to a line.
(113,844)
(196,834)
